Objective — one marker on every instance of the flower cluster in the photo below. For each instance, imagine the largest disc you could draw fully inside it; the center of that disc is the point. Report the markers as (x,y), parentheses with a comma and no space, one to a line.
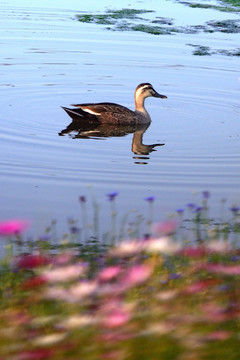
(156,296)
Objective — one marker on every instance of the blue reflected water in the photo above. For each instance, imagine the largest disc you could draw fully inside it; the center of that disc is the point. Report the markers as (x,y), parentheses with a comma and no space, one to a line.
(48,60)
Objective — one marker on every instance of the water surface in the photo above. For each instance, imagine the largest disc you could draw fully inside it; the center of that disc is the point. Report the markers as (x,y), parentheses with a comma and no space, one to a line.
(49,59)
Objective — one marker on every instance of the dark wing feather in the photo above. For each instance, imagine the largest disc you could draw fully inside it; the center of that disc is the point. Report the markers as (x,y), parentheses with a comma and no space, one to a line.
(109,112)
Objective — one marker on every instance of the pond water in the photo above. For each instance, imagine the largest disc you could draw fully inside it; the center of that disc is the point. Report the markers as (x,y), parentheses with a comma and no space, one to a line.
(49,60)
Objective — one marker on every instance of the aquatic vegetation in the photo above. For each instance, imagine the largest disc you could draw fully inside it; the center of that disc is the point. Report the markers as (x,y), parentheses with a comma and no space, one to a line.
(213,7)
(111,16)
(232,2)
(202,50)
(129,20)
(226,26)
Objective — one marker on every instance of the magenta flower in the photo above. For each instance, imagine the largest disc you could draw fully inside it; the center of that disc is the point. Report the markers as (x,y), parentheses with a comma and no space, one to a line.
(194,252)
(13,227)
(30,261)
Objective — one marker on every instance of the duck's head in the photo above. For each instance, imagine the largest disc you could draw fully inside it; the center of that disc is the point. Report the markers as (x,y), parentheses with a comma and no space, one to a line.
(145,90)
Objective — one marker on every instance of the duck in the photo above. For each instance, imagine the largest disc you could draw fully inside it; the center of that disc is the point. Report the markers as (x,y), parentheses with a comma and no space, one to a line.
(111,113)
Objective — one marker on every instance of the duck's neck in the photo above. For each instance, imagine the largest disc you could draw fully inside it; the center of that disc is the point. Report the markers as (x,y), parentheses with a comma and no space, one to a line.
(139,107)
(139,104)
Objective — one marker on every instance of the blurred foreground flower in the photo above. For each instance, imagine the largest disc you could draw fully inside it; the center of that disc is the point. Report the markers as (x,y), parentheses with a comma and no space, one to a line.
(13,227)
(164,245)
(167,227)
(64,273)
(138,274)
(109,273)
(29,261)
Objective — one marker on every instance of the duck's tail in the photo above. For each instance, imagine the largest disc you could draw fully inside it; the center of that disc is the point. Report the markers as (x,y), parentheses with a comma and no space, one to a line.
(80,115)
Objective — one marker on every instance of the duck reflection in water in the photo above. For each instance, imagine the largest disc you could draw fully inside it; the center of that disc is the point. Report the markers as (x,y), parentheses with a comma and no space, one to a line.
(81,130)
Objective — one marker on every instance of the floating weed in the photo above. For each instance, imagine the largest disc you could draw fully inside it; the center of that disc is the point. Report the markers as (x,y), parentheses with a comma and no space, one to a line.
(128,19)
(111,16)
(155,30)
(226,26)
(209,6)
(201,50)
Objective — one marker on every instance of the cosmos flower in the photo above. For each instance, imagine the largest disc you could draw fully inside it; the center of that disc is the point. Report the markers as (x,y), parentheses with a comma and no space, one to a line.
(109,273)
(138,274)
(30,261)
(162,245)
(167,227)
(116,318)
(64,273)
(13,227)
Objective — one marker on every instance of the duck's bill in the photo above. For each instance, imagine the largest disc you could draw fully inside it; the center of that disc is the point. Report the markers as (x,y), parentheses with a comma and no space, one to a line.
(156,94)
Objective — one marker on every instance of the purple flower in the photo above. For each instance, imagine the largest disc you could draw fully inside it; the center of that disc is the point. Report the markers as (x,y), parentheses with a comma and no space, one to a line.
(112,196)
(191,206)
(234,209)
(175,276)
(82,199)
(180,211)
(74,230)
(198,209)
(150,199)
(206,194)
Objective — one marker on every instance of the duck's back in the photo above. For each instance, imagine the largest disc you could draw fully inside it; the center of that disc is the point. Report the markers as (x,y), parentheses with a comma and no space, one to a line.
(107,112)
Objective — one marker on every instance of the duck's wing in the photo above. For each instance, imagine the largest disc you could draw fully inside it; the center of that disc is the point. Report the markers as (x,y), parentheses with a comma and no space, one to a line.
(103,108)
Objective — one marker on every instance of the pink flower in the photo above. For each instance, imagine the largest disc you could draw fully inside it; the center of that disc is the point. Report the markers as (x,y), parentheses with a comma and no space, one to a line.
(199,286)
(224,269)
(167,227)
(219,335)
(109,273)
(138,274)
(13,227)
(116,318)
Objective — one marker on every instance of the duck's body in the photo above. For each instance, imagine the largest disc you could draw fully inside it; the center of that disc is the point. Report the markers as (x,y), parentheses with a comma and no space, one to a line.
(106,112)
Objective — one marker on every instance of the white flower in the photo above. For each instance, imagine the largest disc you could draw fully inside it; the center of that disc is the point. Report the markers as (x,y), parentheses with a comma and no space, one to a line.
(77,321)
(82,290)
(49,339)
(64,273)
(164,245)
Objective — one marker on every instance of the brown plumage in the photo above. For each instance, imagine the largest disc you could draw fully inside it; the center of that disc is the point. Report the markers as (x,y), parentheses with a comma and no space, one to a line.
(106,112)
